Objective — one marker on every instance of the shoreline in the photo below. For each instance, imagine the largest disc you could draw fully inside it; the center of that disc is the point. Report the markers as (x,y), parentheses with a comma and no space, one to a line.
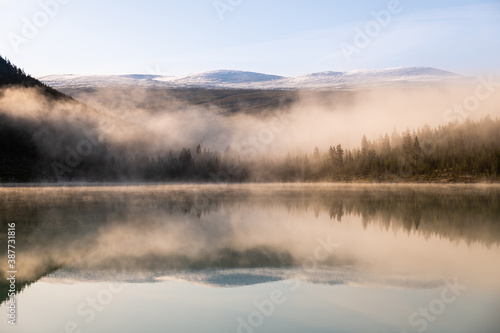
(192,183)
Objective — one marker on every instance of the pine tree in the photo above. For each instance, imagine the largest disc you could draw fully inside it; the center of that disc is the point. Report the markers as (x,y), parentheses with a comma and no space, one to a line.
(364,146)
(416,151)
(386,145)
(339,154)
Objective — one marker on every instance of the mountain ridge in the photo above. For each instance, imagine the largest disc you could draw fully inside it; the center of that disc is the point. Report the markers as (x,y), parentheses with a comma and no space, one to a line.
(237,79)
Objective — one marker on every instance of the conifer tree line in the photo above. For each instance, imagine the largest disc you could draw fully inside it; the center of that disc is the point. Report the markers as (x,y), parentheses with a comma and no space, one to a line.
(454,152)
(464,152)
(11,74)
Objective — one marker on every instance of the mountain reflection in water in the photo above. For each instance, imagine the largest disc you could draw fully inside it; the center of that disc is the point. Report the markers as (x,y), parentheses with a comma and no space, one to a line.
(246,234)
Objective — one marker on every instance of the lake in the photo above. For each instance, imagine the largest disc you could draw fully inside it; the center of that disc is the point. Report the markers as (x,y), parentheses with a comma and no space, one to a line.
(252,258)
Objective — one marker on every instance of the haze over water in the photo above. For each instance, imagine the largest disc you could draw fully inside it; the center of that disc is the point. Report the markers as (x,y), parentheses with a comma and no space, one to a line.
(344,258)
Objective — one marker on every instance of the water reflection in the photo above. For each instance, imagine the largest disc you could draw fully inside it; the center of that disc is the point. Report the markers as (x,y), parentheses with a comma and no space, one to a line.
(398,235)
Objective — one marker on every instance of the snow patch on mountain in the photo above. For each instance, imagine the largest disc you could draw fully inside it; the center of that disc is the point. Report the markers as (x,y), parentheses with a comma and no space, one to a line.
(219,77)
(233,79)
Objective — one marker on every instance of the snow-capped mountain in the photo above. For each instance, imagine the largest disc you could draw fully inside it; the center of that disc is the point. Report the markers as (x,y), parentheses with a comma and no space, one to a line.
(98,81)
(219,77)
(232,79)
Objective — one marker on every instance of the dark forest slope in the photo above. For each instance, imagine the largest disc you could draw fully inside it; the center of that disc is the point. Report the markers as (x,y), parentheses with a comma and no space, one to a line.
(11,75)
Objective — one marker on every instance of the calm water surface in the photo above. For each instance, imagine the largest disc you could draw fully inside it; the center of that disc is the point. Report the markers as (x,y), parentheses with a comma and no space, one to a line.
(253,258)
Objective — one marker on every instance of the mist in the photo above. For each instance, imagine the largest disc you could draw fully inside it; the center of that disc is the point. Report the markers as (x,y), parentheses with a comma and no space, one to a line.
(151,230)
(123,123)
(306,120)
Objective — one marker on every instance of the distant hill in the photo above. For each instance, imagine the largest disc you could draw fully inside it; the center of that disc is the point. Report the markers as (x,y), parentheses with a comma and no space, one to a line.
(220,78)
(232,79)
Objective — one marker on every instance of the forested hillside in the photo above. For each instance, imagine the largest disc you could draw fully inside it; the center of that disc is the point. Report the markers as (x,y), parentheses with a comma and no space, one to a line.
(11,75)
(23,155)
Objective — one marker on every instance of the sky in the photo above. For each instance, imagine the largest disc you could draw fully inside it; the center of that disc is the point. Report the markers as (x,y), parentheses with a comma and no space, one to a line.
(282,37)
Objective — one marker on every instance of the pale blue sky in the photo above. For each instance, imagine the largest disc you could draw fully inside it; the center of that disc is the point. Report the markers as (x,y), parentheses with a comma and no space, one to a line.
(285,37)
